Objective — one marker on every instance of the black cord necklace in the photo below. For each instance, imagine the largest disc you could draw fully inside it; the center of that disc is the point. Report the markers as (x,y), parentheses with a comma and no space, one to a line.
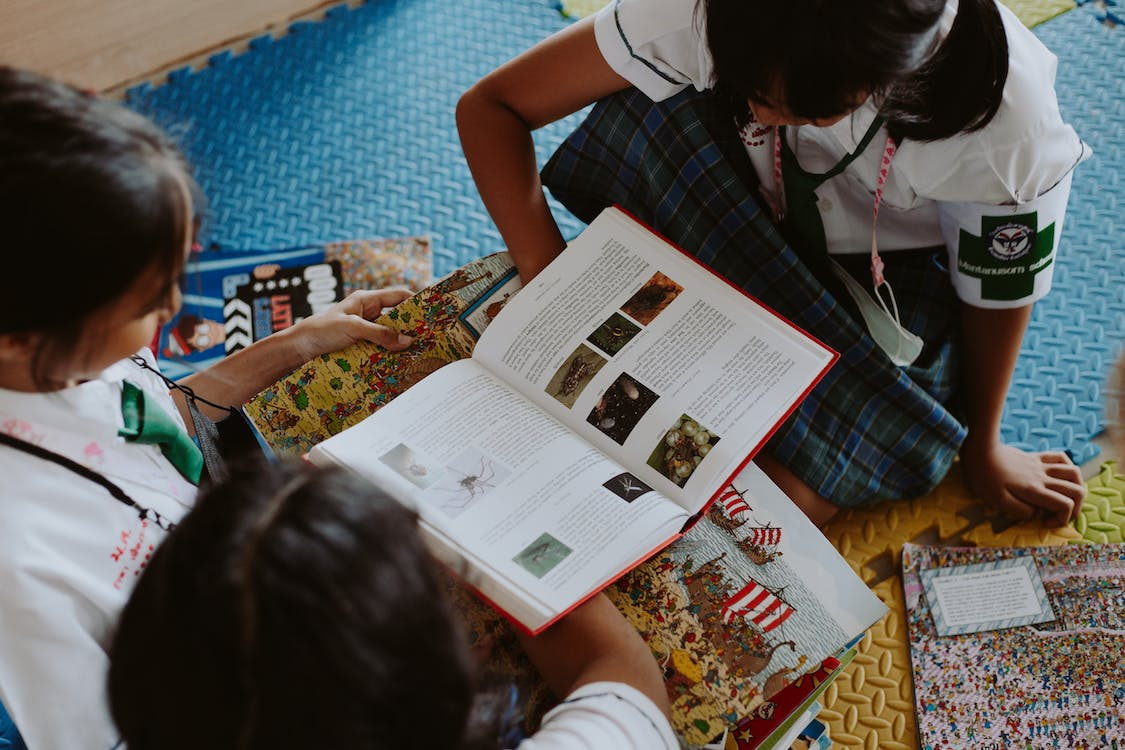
(145,514)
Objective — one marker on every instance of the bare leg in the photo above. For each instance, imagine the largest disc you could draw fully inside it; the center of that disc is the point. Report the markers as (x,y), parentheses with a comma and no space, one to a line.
(819,510)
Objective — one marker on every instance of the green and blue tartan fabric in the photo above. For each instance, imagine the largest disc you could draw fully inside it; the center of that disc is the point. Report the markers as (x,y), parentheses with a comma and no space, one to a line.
(869,430)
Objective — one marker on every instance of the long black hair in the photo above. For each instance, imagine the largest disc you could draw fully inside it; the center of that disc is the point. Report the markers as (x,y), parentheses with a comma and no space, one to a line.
(92,196)
(292,608)
(820,57)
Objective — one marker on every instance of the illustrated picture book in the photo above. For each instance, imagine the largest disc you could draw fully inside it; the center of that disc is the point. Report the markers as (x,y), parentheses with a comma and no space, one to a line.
(727,667)
(338,390)
(750,614)
(1017,647)
(718,670)
(598,414)
(275,299)
(220,301)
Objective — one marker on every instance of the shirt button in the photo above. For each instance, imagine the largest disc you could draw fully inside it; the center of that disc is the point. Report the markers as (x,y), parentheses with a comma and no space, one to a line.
(825,205)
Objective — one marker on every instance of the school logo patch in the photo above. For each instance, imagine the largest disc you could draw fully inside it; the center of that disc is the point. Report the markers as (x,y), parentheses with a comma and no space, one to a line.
(1010,241)
(1007,254)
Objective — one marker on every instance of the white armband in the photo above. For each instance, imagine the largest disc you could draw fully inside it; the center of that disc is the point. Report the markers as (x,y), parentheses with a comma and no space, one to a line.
(1003,256)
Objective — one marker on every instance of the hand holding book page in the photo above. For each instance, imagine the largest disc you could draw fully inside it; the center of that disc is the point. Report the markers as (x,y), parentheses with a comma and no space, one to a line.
(604,407)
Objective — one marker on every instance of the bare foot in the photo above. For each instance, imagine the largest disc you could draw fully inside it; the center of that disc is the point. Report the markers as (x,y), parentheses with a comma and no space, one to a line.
(819,510)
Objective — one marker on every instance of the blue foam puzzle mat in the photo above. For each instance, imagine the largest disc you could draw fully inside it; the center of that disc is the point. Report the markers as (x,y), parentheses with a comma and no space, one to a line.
(1077,331)
(344,128)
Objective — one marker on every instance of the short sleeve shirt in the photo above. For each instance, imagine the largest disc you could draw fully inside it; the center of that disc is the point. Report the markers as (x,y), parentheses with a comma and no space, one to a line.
(995,198)
(603,715)
(70,552)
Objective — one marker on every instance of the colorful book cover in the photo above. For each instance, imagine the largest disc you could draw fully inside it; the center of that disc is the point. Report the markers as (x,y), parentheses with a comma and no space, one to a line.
(273,302)
(814,736)
(196,337)
(338,390)
(769,720)
(1033,654)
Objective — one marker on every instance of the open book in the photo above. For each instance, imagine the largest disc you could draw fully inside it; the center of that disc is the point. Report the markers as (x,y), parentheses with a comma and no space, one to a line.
(602,410)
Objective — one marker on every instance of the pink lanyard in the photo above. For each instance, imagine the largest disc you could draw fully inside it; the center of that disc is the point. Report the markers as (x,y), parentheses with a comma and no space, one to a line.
(777,199)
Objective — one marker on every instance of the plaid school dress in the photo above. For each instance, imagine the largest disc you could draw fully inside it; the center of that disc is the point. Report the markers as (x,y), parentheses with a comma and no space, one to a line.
(870,430)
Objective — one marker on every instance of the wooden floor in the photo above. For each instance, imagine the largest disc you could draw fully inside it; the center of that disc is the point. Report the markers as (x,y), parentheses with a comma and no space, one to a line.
(109,44)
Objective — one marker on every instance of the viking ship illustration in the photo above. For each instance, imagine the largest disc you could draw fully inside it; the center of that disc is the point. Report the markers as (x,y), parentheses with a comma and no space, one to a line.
(760,544)
(734,501)
(759,605)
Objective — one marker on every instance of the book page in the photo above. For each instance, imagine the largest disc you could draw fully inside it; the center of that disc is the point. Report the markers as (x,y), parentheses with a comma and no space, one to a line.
(511,486)
(652,358)
(1046,682)
(750,596)
(986,596)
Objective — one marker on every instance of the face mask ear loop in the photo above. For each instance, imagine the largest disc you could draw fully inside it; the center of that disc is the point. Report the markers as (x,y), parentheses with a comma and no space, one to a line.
(878,281)
(891,312)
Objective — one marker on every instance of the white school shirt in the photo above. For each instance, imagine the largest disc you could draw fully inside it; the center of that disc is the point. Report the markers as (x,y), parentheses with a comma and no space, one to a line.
(70,552)
(604,716)
(995,198)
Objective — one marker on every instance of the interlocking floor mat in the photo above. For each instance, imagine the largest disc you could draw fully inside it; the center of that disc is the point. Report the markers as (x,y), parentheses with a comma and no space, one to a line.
(1103,512)
(1077,330)
(871,705)
(345,127)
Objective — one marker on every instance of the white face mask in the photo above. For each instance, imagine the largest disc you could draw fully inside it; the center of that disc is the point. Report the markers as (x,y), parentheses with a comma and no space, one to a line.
(902,346)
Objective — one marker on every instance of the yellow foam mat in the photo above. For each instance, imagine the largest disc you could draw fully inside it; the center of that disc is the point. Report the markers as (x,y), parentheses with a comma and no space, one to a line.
(1031,12)
(871,705)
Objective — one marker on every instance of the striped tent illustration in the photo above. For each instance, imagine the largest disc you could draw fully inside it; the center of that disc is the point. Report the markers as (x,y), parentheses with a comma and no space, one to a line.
(734,502)
(758,604)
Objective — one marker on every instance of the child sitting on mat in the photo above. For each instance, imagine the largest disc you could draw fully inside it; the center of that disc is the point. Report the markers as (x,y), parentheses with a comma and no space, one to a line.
(97,215)
(297,608)
(937,119)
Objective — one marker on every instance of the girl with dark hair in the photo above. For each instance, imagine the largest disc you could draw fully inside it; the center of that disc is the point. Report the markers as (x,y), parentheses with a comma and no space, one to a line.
(98,214)
(770,139)
(295,608)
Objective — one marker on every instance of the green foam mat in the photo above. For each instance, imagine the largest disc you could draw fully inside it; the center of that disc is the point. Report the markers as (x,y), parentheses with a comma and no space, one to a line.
(1103,511)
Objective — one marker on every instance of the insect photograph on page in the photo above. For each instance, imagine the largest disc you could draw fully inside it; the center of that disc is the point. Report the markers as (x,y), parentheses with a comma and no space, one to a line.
(575,373)
(542,555)
(612,335)
(467,479)
(412,466)
(651,299)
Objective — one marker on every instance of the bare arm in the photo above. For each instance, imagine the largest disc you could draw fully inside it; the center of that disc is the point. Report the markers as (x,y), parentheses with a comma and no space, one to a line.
(237,378)
(1019,484)
(594,643)
(495,119)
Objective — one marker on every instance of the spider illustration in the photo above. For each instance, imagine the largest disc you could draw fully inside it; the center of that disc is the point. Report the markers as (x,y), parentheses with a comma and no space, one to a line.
(472,485)
(472,477)
(615,335)
(612,335)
